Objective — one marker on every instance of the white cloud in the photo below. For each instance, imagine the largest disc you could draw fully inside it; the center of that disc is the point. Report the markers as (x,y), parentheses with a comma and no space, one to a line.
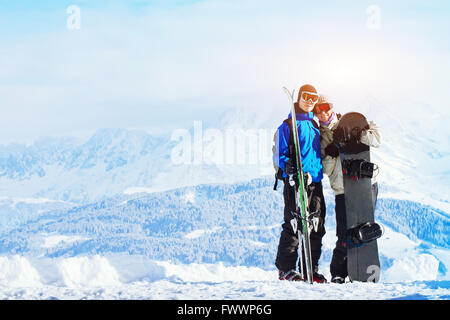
(131,68)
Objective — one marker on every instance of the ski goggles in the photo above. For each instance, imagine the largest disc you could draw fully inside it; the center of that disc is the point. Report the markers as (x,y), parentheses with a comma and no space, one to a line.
(306,96)
(323,107)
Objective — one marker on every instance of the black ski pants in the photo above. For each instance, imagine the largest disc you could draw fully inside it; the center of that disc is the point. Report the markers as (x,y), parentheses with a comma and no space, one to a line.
(287,254)
(338,266)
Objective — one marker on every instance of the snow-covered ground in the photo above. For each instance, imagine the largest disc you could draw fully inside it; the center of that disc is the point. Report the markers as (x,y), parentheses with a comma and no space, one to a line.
(137,277)
(408,272)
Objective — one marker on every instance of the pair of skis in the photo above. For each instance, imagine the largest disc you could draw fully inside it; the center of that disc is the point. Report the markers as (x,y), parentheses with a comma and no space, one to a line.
(301,214)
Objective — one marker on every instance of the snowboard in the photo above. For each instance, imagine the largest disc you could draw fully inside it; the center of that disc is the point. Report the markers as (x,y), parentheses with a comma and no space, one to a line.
(363,262)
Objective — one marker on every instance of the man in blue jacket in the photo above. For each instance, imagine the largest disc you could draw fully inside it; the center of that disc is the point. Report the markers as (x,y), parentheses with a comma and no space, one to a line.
(284,158)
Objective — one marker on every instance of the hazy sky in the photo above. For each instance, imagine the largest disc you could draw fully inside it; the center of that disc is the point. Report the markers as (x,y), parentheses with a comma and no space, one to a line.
(163,64)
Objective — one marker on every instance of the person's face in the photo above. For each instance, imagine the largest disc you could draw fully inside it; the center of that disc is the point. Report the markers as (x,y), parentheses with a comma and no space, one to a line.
(308,101)
(324,116)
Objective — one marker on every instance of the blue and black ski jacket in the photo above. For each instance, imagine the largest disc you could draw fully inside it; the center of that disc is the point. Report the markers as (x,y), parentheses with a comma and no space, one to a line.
(309,137)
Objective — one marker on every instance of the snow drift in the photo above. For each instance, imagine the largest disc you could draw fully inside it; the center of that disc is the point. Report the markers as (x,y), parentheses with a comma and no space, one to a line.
(120,276)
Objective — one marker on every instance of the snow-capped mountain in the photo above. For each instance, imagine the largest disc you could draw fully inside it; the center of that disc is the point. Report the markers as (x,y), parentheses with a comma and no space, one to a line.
(61,172)
(66,171)
(116,160)
(413,156)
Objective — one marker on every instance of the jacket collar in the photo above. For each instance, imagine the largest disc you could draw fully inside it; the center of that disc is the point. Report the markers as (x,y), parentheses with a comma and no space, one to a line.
(330,123)
(303,116)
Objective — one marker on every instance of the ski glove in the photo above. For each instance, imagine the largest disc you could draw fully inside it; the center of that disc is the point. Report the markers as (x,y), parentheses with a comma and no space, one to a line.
(332,150)
(291,171)
(290,167)
(338,136)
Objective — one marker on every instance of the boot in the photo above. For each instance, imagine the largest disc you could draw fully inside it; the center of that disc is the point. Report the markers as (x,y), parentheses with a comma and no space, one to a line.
(319,278)
(290,275)
(337,279)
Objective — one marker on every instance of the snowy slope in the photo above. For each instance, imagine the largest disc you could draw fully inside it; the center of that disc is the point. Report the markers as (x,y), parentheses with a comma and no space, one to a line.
(121,276)
(14,211)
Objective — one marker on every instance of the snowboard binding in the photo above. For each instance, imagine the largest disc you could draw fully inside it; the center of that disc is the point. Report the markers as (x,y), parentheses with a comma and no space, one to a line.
(364,233)
(358,168)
